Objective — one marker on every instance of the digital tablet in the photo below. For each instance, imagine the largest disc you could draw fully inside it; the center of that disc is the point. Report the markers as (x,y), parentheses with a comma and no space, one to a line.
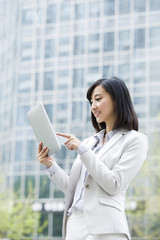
(43,129)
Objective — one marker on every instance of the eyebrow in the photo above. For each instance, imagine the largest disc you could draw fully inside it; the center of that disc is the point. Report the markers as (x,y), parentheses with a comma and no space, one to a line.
(98,94)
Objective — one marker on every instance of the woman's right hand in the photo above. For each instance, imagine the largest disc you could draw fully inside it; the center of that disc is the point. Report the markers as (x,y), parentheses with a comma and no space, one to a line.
(43,157)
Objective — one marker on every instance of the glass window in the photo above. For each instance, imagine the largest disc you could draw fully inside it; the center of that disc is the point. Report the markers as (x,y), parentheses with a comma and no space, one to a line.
(51,13)
(139,38)
(1,92)
(62,112)
(94,43)
(38,49)
(65,12)
(108,71)
(26,51)
(140,5)
(38,15)
(24,83)
(29,186)
(139,20)
(124,40)
(139,72)
(140,109)
(79,45)
(37,81)
(141,113)
(80,11)
(78,78)
(154,37)
(27,16)
(44,187)
(109,41)
(77,131)
(123,71)
(140,100)
(22,115)
(154,106)
(31,149)
(5,153)
(155,71)
(18,151)
(88,114)
(94,25)
(17,167)
(63,79)
(124,6)
(65,28)
(51,30)
(154,18)
(61,154)
(77,111)
(26,33)
(57,224)
(109,23)
(109,7)
(48,81)
(49,110)
(64,47)
(17,185)
(154,4)
(94,9)
(138,89)
(50,48)
(93,74)
(80,27)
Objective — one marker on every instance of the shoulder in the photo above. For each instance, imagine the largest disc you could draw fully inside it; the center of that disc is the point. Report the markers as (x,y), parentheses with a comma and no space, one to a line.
(137,137)
(136,134)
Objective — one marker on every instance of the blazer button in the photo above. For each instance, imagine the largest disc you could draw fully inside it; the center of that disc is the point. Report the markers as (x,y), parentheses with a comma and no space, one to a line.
(87,186)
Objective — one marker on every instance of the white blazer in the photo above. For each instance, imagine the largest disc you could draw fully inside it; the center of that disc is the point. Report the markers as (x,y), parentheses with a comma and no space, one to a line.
(110,173)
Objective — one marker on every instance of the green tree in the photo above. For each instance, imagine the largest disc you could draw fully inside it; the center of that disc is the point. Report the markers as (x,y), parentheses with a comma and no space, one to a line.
(17,219)
(146,188)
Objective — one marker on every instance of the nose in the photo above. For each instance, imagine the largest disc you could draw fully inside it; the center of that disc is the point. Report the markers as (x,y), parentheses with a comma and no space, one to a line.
(93,106)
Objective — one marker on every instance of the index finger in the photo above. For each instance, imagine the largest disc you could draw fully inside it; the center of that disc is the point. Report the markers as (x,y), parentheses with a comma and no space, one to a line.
(64,135)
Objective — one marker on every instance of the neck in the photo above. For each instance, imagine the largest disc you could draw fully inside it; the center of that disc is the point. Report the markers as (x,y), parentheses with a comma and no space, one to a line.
(109,127)
(110,123)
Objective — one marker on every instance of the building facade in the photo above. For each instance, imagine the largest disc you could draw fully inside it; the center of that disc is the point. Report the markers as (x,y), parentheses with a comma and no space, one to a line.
(50,52)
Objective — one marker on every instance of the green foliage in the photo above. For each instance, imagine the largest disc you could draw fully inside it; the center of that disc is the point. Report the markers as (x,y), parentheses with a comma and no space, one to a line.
(17,219)
(144,220)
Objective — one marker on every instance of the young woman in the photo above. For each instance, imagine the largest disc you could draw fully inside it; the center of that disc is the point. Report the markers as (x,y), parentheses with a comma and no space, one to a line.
(106,164)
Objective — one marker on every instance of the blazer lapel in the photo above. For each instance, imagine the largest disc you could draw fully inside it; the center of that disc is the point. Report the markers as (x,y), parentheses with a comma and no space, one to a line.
(112,141)
(92,142)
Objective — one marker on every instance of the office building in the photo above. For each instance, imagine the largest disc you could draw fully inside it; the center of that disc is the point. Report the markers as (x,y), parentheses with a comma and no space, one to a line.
(50,52)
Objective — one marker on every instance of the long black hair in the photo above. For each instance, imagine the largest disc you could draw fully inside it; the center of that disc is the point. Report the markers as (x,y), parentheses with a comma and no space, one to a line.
(126,116)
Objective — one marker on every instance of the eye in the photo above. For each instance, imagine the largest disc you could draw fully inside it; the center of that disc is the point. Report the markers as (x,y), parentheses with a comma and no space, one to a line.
(98,99)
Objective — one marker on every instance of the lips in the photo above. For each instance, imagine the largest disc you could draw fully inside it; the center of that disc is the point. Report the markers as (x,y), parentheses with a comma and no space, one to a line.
(96,114)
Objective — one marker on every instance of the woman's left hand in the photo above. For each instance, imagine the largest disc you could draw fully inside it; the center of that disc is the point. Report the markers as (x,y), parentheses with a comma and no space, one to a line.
(72,143)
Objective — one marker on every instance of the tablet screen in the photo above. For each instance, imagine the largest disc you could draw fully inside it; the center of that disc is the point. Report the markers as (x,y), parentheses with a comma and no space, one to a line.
(43,128)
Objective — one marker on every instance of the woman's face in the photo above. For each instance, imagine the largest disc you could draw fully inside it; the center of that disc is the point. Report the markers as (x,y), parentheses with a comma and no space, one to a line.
(102,105)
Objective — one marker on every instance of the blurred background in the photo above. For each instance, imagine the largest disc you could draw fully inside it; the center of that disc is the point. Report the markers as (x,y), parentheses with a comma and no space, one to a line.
(50,52)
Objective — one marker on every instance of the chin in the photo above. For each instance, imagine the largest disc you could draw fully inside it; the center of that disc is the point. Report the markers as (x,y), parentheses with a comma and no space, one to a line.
(99,121)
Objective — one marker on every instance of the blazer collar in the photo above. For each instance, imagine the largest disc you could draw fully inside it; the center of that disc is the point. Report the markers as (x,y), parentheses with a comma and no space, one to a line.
(110,143)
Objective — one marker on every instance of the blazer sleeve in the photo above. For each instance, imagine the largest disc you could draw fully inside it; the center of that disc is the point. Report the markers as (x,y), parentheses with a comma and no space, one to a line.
(60,178)
(119,177)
